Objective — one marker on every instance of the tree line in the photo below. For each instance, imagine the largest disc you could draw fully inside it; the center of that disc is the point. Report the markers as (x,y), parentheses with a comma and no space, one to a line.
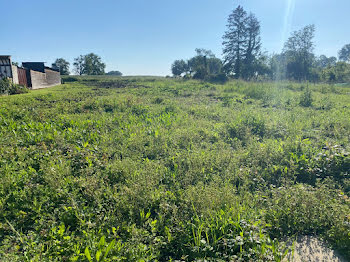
(243,57)
(90,64)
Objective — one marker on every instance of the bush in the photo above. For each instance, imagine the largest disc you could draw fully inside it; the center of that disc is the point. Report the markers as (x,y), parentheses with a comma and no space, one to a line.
(6,87)
(306,98)
(217,78)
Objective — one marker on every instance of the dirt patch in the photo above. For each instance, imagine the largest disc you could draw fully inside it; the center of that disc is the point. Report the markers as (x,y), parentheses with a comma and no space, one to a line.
(312,249)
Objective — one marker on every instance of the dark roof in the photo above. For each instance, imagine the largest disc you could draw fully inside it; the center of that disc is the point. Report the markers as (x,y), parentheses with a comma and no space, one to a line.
(36,66)
(53,69)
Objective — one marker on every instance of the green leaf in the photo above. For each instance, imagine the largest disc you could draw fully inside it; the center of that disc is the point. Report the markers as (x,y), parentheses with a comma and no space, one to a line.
(87,254)
(98,254)
(109,248)
(102,242)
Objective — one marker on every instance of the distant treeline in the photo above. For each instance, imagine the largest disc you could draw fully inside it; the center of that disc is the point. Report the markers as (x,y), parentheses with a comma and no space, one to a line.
(243,57)
(90,64)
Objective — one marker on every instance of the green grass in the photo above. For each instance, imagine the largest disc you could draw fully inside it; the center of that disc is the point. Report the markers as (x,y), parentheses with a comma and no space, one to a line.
(152,169)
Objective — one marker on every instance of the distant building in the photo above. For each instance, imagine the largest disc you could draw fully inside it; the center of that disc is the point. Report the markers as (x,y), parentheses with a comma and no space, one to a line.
(33,75)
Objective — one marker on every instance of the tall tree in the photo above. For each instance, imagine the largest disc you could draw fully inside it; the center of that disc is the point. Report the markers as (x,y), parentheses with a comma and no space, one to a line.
(298,51)
(253,46)
(344,53)
(235,41)
(79,65)
(242,44)
(62,65)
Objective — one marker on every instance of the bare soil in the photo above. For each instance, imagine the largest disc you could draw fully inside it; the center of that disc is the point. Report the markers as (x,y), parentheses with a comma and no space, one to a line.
(312,249)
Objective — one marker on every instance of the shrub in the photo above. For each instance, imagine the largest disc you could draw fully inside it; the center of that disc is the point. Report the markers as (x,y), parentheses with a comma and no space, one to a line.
(6,87)
(17,89)
(306,98)
(217,78)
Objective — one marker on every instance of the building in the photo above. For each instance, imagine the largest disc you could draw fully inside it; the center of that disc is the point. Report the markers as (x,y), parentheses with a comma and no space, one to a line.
(33,75)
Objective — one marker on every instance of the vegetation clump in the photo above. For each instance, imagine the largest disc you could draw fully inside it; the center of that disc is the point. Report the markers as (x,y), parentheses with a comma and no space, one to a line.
(306,98)
(9,88)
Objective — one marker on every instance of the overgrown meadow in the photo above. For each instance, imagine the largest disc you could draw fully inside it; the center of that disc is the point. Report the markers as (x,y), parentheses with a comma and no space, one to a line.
(152,169)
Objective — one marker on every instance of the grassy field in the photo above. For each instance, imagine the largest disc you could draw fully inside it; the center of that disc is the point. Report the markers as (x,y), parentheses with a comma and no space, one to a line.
(151,169)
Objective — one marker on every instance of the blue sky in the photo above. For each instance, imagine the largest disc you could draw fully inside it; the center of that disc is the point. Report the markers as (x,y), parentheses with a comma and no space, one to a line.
(143,37)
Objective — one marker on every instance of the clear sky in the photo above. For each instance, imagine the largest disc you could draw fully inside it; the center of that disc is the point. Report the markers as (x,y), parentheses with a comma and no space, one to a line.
(143,37)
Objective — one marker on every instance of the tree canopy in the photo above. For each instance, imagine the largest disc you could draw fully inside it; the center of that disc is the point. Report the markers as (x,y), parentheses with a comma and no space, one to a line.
(179,67)
(298,53)
(204,65)
(344,53)
(90,64)
(114,73)
(242,44)
(62,65)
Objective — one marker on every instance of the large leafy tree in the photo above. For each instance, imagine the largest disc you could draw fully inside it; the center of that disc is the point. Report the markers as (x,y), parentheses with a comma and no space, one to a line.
(235,41)
(298,52)
(204,63)
(344,53)
(90,64)
(93,65)
(179,67)
(62,65)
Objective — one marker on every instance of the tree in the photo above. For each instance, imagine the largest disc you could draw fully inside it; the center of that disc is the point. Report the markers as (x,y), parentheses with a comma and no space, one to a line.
(253,46)
(93,65)
(339,73)
(204,64)
(179,67)
(235,40)
(344,53)
(114,73)
(242,44)
(62,65)
(89,64)
(298,51)
(79,64)
(324,61)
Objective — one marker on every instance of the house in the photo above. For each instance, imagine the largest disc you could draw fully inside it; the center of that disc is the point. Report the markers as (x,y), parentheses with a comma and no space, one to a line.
(33,75)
